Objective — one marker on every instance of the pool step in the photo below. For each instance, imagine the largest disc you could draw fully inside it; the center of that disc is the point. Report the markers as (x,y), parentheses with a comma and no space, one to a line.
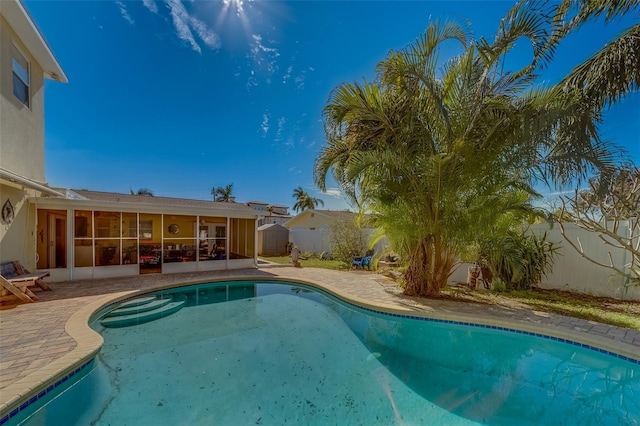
(170,305)
(137,302)
(138,309)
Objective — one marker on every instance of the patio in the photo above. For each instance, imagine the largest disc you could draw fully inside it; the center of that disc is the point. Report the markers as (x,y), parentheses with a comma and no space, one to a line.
(42,340)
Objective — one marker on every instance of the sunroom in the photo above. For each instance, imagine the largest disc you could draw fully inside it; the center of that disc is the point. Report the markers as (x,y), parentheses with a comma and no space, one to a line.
(93,234)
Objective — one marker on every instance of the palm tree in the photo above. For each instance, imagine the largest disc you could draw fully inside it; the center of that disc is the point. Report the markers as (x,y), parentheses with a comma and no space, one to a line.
(142,191)
(305,201)
(223,194)
(440,153)
(614,70)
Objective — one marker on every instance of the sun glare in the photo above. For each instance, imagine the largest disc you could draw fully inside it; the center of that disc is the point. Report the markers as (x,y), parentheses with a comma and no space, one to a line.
(238,5)
(239,8)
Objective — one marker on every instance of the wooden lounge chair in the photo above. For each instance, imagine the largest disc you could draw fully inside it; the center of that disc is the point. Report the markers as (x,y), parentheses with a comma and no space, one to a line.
(11,293)
(15,281)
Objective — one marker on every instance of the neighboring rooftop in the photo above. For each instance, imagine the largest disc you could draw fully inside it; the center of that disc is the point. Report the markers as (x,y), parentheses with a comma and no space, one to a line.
(268,204)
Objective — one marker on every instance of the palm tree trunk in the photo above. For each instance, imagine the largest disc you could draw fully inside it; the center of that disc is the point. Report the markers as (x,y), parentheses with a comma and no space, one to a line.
(429,268)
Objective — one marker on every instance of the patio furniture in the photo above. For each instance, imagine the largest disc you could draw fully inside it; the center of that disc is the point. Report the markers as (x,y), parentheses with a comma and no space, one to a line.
(15,281)
(363,261)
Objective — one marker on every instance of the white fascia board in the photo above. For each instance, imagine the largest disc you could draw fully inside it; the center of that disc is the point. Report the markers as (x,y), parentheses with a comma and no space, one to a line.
(21,22)
(60,203)
(23,181)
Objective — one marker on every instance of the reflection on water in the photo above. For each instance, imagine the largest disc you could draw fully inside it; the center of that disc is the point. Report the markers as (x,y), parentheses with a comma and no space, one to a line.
(493,376)
(253,353)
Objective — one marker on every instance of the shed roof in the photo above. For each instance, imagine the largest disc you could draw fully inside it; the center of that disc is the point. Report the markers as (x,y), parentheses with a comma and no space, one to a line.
(272,225)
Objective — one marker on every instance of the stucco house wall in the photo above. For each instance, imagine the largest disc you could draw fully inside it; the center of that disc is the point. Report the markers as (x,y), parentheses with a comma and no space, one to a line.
(17,240)
(22,160)
(21,126)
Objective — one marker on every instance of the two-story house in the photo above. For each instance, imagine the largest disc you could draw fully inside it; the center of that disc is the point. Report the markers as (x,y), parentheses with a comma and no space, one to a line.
(76,234)
(271,213)
(25,62)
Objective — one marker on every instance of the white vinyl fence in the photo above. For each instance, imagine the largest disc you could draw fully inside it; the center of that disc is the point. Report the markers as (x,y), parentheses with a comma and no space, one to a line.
(314,241)
(573,272)
(319,240)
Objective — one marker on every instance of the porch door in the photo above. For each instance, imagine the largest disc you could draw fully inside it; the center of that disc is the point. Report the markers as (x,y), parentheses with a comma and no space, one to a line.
(57,240)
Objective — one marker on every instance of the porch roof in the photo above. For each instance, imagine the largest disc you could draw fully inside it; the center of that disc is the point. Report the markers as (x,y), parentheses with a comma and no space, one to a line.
(94,200)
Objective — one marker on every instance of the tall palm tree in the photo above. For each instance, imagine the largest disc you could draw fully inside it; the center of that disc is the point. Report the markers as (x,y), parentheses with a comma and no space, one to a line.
(223,194)
(437,152)
(305,201)
(614,70)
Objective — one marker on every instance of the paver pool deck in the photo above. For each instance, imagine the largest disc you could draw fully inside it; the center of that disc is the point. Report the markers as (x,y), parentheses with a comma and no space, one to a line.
(44,340)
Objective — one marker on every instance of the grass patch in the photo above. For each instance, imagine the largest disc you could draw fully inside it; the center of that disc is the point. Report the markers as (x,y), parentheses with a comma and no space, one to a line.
(604,310)
(310,262)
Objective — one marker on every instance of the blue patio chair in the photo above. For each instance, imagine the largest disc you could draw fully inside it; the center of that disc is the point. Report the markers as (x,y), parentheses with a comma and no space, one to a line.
(363,261)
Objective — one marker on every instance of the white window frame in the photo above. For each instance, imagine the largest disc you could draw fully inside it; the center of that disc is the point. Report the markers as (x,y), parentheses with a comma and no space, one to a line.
(14,74)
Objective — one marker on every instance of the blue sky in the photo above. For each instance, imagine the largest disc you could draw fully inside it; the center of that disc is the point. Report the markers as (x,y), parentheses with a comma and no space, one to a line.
(179,96)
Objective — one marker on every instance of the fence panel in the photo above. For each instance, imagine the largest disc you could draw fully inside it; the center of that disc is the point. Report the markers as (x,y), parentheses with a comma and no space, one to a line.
(314,241)
(573,272)
(319,240)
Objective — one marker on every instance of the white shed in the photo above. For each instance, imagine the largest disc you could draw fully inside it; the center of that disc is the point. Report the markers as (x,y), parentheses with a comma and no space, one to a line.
(272,240)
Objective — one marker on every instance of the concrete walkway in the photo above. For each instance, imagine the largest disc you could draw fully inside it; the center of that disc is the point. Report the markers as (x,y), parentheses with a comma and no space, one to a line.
(41,341)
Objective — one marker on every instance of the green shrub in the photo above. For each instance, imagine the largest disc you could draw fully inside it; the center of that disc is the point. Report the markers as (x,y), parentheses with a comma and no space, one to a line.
(347,241)
(498,285)
(518,260)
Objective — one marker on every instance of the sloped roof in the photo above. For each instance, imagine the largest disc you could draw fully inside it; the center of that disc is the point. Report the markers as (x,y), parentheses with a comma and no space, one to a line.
(271,225)
(29,183)
(267,204)
(336,214)
(331,214)
(159,201)
(276,214)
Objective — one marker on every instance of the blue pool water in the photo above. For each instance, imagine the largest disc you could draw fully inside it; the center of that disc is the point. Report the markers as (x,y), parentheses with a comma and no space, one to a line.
(281,353)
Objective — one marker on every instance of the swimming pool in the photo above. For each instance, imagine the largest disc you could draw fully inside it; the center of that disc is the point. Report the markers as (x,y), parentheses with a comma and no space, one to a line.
(276,353)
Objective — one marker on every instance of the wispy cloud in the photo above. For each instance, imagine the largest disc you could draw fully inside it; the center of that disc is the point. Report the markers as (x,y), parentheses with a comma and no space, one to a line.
(183,23)
(265,125)
(299,79)
(290,142)
(287,75)
(263,56)
(124,12)
(556,193)
(334,192)
(280,129)
(207,35)
(252,81)
(151,5)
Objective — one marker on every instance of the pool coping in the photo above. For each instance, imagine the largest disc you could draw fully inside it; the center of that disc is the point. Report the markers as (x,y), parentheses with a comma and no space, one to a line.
(19,394)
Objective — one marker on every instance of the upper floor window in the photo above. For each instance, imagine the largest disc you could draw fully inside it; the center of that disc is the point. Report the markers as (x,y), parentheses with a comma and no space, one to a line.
(20,76)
